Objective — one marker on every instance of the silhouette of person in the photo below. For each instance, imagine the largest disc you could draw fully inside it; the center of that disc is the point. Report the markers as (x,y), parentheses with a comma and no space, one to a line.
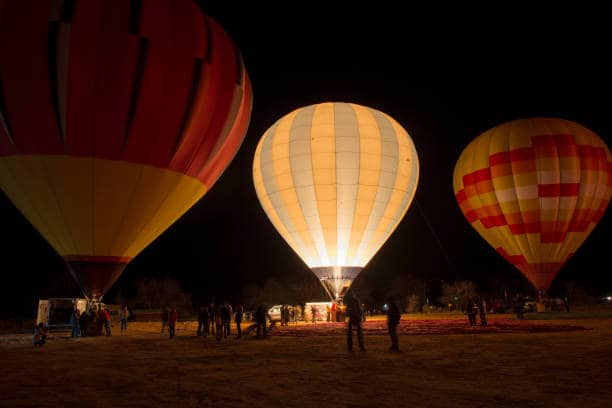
(482,311)
(353,311)
(172,319)
(105,318)
(260,318)
(238,319)
(471,310)
(393,318)
(202,321)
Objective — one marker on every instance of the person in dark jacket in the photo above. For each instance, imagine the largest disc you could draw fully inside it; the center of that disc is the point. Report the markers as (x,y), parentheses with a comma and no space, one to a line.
(238,319)
(84,320)
(212,317)
(172,319)
(40,335)
(471,309)
(225,319)
(74,322)
(219,323)
(203,321)
(261,315)
(354,313)
(482,311)
(393,319)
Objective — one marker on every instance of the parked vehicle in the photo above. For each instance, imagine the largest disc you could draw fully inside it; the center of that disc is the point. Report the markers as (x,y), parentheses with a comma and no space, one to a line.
(55,312)
(530,304)
(275,313)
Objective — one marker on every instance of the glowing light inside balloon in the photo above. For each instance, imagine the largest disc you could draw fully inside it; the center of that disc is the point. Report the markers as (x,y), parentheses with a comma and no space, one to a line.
(335,179)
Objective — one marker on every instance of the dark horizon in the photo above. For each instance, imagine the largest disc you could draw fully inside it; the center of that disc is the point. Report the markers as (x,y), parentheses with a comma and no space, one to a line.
(445,81)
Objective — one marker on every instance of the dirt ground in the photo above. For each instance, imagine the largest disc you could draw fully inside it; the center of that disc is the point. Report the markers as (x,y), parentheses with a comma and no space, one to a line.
(443,363)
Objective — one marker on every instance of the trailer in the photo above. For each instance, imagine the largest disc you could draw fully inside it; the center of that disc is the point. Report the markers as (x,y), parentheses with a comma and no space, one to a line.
(54,313)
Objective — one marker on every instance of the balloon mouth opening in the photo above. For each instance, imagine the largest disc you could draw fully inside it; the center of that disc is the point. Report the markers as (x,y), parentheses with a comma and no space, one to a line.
(336,280)
(95,275)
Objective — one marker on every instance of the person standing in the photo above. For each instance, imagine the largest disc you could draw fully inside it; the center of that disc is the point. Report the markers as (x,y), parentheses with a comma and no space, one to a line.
(74,322)
(202,321)
(225,319)
(482,311)
(84,320)
(519,306)
(238,320)
(212,317)
(353,311)
(566,303)
(471,310)
(104,316)
(230,314)
(219,322)
(172,319)
(283,322)
(393,318)
(123,318)
(260,319)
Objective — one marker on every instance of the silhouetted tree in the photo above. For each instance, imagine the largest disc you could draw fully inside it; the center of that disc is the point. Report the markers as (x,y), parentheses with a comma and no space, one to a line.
(157,293)
(457,293)
(306,290)
(252,296)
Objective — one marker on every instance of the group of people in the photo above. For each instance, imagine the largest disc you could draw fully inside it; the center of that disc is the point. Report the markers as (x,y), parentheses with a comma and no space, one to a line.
(286,315)
(91,322)
(476,307)
(354,312)
(94,320)
(216,320)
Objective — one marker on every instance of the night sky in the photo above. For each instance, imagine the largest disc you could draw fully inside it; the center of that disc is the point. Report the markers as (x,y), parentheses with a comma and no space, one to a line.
(445,75)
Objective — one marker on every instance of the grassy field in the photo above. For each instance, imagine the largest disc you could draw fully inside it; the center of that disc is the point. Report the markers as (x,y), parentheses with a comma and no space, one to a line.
(443,363)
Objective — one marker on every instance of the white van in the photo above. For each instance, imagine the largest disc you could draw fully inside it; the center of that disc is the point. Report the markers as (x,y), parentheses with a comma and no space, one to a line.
(275,313)
(56,312)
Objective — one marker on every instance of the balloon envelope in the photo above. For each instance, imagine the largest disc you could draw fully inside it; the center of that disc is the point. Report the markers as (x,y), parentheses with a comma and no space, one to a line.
(116,117)
(534,189)
(335,179)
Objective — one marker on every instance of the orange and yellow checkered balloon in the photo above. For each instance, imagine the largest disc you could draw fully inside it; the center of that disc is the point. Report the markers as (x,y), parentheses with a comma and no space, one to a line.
(534,189)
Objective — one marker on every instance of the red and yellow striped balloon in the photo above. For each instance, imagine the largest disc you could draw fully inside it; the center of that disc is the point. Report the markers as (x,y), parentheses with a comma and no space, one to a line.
(116,117)
(534,189)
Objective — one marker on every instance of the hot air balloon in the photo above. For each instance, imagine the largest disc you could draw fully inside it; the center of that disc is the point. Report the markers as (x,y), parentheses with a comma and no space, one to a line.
(116,117)
(335,180)
(534,189)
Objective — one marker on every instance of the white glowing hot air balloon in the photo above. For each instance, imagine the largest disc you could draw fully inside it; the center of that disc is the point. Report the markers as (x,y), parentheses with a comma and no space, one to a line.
(335,179)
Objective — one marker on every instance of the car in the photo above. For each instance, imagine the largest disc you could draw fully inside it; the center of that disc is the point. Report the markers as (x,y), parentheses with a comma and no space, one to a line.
(530,305)
(275,313)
